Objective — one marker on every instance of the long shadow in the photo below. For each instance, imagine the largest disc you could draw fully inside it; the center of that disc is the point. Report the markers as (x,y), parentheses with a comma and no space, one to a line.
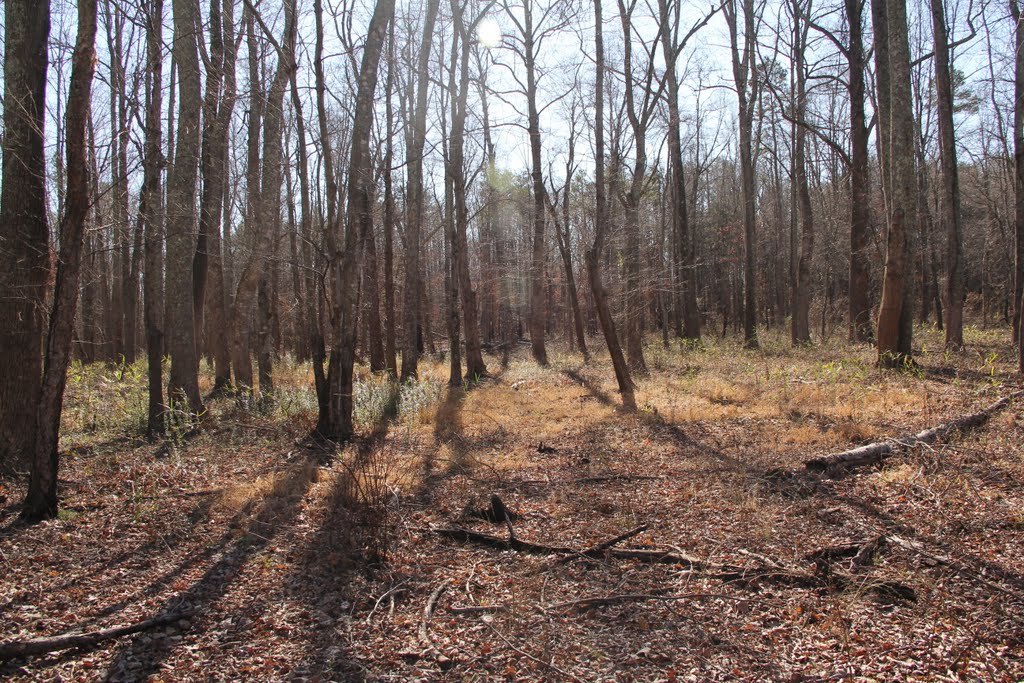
(797,484)
(258,523)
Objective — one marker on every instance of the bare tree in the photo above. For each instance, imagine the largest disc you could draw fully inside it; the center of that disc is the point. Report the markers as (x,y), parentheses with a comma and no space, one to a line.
(41,499)
(748,86)
(604,314)
(181,210)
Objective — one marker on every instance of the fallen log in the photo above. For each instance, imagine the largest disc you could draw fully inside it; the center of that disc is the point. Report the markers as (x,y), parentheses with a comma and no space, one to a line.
(39,646)
(875,453)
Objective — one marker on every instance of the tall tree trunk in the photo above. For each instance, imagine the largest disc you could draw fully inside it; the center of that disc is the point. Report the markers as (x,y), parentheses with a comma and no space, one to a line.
(745,77)
(537,257)
(604,314)
(24,234)
(181,210)
(685,290)
(475,367)
(371,295)
(801,330)
(390,339)
(151,212)
(337,424)
(41,499)
(895,317)
(1018,179)
(207,266)
(414,202)
(950,195)
(860,183)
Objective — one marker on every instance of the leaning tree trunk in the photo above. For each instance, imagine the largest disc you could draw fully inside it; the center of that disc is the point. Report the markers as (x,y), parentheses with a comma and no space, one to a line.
(41,500)
(604,314)
(24,234)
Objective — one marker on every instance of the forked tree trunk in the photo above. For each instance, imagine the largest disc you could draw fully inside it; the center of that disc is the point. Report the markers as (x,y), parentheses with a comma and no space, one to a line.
(337,423)
(41,500)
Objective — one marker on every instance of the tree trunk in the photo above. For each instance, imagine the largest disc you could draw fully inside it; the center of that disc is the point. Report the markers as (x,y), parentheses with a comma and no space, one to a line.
(181,211)
(950,195)
(895,317)
(151,212)
(414,207)
(337,423)
(1018,179)
(860,184)
(475,368)
(801,330)
(390,338)
(604,314)
(41,500)
(24,234)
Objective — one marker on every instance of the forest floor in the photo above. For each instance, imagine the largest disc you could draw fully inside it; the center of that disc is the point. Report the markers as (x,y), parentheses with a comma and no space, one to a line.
(295,563)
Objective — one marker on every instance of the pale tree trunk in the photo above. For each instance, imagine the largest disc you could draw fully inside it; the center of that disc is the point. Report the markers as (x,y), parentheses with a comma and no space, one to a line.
(41,500)
(181,211)
(414,203)
(337,423)
(604,314)
(895,317)
(24,234)
(950,195)
(151,212)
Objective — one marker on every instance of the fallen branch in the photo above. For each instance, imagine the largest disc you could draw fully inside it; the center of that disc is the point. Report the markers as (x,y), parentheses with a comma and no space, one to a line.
(600,548)
(428,611)
(875,453)
(39,646)
(594,602)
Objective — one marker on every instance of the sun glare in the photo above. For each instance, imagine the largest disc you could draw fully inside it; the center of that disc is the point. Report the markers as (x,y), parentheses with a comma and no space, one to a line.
(488,33)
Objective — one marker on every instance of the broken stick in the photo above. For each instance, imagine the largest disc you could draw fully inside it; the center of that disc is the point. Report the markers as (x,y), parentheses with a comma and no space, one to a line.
(875,453)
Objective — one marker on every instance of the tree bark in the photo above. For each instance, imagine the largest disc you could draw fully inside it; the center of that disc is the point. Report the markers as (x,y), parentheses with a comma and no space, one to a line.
(859,311)
(895,317)
(337,423)
(181,211)
(24,233)
(950,196)
(801,328)
(41,499)
(151,213)
(414,202)
(604,314)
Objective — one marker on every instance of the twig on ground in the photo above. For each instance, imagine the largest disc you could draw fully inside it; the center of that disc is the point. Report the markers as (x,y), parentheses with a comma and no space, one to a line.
(428,610)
